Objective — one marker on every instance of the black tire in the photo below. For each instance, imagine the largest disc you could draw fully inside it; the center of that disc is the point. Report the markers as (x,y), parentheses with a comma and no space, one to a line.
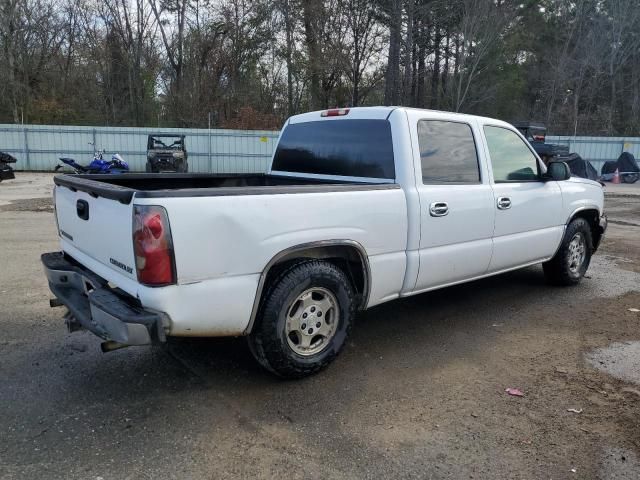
(147,168)
(562,269)
(630,177)
(268,340)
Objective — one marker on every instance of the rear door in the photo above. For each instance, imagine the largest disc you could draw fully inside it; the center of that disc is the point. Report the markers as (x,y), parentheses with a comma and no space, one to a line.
(456,202)
(97,227)
(529,220)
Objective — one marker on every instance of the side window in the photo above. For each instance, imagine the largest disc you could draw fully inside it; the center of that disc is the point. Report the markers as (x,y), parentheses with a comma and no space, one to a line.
(447,152)
(511,159)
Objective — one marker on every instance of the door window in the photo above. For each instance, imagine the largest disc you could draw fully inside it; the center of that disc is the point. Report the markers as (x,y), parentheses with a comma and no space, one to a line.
(447,152)
(511,159)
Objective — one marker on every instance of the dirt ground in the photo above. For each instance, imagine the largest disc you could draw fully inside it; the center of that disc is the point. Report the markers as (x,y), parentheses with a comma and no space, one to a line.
(419,392)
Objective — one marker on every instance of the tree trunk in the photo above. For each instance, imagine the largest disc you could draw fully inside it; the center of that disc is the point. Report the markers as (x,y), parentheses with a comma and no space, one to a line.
(456,61)
(408,48)
(355,96)
(422,68)
(435,76)
(392,77)
(9,8)
(612,100)
(311,13)
(414,75)
(635,98)
(445,71)
(288,55)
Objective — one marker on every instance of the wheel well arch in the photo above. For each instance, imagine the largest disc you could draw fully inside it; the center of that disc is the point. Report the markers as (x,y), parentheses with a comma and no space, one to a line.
(592,217)
(348,255)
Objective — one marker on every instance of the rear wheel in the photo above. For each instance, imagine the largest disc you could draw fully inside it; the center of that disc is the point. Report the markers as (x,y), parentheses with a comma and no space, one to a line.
(572,259)
(304,319)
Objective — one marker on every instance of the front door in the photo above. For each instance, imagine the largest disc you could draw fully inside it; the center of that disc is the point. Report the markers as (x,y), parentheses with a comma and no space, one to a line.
(528,222)
(456,202)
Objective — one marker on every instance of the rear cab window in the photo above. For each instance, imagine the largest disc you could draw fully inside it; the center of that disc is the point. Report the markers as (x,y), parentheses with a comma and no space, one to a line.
(448,153)
(342,148)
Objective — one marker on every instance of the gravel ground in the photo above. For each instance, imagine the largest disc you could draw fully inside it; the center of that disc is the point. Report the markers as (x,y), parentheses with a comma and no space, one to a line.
(418,392)
(622,360)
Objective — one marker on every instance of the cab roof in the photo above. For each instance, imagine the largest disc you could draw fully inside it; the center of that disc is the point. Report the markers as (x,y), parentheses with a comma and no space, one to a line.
(383,112)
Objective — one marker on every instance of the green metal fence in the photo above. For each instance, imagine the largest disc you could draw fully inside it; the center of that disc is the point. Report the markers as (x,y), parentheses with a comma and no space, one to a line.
(38,147)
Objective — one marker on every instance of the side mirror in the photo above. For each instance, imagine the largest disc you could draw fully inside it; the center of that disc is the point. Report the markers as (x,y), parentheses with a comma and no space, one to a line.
(557,171)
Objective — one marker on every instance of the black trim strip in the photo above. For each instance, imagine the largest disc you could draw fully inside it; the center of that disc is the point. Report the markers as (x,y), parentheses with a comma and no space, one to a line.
(93,185)
(267,190)
(95,188)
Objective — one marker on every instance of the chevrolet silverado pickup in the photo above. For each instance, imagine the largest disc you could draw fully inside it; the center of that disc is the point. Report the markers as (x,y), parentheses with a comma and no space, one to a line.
(358,207)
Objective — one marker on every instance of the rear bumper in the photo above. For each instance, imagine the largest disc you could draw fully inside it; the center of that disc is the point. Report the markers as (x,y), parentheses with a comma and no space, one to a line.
(112,315)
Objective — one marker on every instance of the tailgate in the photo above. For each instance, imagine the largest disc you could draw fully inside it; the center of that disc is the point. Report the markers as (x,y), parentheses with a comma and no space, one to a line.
(99,227)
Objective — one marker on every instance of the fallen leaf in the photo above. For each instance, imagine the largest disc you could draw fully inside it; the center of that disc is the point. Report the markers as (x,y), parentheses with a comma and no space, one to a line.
(634,310)
(573,410)
(515,392)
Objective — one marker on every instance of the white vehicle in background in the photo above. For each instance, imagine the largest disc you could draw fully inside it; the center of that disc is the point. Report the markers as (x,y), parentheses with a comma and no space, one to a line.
(360,206)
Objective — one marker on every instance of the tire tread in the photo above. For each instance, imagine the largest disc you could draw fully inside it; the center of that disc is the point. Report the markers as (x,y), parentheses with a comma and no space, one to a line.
(264,341)
(556,270)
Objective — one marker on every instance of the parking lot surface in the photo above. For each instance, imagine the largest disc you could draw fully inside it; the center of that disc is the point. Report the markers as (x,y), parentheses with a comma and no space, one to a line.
(419,392)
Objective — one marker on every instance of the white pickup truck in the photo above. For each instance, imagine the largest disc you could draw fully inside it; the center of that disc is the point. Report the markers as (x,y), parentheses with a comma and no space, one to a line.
(359,206)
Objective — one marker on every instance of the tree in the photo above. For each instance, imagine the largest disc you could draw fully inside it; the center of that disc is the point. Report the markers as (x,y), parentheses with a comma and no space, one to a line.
(393,8)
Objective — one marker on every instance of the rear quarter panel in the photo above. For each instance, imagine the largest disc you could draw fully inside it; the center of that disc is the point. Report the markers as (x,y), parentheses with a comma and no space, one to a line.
(226,241)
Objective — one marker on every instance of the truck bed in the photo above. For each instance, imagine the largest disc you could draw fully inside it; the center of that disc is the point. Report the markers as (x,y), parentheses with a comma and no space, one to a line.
(144,185)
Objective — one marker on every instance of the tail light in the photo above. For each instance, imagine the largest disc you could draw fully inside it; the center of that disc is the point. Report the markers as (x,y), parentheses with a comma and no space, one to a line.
(335,112)
(153,247)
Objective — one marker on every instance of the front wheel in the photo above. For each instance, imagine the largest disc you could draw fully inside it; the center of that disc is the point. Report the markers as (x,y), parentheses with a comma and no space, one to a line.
(304,319)
(572,259)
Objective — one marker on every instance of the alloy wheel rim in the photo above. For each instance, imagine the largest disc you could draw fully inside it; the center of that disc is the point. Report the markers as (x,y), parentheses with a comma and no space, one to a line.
(576,253)
(312,320)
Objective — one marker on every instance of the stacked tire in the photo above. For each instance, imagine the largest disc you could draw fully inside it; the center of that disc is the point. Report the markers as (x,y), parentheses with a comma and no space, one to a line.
(6,172)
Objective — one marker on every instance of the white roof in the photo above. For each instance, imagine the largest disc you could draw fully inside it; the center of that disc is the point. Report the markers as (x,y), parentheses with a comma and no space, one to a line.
(382,113)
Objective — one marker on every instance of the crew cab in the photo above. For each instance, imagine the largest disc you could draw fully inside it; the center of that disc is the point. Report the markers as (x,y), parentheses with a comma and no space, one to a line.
(359,207)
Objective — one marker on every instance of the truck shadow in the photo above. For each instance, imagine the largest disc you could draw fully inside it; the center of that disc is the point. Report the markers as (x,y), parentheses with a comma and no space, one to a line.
(430,329)
(403,346)
(406,326)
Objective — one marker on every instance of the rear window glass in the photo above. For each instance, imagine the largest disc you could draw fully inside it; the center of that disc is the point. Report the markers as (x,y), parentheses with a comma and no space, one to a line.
(353,148)
(447,152)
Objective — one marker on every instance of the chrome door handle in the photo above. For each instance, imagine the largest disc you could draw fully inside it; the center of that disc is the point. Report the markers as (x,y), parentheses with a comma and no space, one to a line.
(504,203)
(438,209)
